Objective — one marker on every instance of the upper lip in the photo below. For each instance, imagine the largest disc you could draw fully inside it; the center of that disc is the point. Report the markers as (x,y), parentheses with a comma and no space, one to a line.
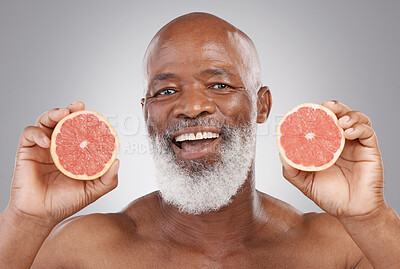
(195,129)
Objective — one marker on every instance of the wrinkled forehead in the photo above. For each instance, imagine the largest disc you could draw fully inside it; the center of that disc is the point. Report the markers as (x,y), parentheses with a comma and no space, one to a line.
(221,46)
(173,47)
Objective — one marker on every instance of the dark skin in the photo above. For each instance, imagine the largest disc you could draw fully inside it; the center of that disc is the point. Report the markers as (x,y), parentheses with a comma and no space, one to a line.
(255,230)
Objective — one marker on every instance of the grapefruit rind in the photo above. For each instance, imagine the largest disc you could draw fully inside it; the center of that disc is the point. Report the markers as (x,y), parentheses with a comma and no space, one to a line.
(53,146)
(310,168)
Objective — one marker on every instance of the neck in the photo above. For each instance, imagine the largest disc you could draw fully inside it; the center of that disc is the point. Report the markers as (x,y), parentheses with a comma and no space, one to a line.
(232,224)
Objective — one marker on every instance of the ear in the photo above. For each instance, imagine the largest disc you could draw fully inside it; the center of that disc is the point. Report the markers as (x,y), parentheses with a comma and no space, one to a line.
(264,102)
(142,102)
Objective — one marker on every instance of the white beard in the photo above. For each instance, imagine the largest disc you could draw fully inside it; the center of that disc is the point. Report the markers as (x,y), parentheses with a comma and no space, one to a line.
(195,187)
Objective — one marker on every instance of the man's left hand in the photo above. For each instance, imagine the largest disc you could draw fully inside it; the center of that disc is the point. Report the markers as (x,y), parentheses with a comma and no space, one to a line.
(353,186)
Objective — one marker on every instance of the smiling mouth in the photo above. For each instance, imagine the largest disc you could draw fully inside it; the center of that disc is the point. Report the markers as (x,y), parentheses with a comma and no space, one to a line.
(195,142)
(192,141)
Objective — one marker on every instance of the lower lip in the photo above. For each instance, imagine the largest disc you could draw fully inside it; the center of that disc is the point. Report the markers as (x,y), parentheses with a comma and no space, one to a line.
(197,153)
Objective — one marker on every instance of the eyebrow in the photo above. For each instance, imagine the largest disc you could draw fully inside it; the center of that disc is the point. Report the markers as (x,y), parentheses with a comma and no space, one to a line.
(210,71)
(163,76)
(217,72)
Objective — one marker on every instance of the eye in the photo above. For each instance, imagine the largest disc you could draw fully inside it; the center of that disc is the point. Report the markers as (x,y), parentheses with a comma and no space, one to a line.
(167,92)
(220,86)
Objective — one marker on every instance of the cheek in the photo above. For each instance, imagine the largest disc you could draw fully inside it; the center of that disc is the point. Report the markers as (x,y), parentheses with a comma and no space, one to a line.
(236,107)
(156,116)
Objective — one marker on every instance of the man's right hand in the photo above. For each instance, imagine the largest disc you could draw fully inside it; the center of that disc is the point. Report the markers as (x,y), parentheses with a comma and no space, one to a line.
(39,189)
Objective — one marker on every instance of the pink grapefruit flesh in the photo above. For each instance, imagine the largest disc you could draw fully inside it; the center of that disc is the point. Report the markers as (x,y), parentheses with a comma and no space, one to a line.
(84,145)
(309,137)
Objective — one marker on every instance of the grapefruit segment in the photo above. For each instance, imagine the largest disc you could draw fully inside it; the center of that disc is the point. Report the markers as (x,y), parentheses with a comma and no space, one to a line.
(84,145)
(309,137)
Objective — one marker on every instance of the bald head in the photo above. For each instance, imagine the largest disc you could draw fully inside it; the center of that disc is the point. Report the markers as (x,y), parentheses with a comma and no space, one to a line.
(211,35)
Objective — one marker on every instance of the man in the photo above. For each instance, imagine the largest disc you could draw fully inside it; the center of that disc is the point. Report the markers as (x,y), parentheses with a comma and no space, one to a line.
(202,76)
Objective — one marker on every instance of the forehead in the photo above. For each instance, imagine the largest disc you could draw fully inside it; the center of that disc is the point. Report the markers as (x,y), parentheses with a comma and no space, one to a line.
(193,50)
(190,51)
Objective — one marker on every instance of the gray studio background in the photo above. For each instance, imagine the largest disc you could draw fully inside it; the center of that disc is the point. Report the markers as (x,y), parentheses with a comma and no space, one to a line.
(55,52)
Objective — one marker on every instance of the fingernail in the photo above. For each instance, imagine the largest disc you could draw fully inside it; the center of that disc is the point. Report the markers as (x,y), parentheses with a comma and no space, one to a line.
(46,140)
(72,104)
(63,110)
(350,130)
(344,119)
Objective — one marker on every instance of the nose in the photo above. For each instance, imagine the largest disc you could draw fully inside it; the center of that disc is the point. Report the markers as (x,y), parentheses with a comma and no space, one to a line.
(192,103)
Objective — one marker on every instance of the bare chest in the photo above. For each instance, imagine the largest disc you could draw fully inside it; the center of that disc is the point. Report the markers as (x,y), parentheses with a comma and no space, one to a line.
(162,255)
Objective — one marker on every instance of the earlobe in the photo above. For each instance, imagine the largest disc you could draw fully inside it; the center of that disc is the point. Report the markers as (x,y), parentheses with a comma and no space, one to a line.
(264,102)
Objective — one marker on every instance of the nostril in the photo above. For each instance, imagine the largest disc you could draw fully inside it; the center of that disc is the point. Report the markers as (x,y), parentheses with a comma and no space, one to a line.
(204,113)
(192,104)
(194,115)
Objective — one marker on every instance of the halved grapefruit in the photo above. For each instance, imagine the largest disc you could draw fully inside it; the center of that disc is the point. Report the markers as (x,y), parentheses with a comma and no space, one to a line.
(309,137)
(84,145)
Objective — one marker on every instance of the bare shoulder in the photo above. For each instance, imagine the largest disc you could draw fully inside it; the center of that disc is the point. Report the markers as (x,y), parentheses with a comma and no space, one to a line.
(83,239)
(323,226)
(101,225)
(316,235)
(312,224)
(327,230)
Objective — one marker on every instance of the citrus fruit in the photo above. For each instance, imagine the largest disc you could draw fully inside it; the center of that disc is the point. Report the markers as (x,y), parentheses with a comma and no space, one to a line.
(84,145)
(309,137)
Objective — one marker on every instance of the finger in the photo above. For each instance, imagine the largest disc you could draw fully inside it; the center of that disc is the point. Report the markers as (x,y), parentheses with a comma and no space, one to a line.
(76,106)
(364,133)
(34,135)
(49,119)
(352,117)
(104,184)
(336,107)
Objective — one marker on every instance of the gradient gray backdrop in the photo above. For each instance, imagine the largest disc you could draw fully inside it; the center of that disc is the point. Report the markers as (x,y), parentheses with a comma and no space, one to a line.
(55,52)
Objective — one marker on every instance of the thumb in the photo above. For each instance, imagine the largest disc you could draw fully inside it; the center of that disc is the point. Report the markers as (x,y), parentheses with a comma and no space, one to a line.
(111,177)
(289,172)
(300,179)
(105,183)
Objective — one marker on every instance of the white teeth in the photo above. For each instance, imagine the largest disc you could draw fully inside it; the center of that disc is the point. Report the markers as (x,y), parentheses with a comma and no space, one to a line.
(197,136)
